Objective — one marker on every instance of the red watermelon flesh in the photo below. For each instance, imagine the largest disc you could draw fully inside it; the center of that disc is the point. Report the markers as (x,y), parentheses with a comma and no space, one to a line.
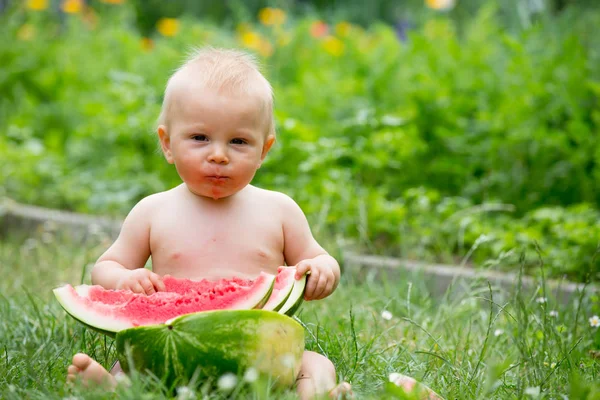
(113,310)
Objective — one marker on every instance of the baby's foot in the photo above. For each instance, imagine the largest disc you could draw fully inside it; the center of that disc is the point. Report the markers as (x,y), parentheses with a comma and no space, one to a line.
(410,385)
(89,371)
(342,391)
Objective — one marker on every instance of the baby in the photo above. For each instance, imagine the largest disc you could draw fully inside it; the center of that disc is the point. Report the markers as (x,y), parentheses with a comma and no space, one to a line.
(216,127)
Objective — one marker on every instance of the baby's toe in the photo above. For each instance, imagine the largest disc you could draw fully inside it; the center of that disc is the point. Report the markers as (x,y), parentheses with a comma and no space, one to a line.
(81,361)
(342,391)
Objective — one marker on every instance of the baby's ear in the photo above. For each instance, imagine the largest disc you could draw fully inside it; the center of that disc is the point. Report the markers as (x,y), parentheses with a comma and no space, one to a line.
(165,142)
(267,146)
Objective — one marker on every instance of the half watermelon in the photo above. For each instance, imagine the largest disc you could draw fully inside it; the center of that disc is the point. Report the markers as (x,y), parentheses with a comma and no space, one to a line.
(110,311)
(210,344)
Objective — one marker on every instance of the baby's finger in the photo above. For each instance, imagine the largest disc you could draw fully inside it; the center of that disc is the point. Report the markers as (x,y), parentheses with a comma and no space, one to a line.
(329,289)
(311,284)
(137,288)
(302,268)
(320,289)
(148,286)
(157,281)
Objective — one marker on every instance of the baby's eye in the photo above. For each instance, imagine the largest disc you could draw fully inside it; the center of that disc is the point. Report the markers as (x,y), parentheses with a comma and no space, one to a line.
(238,141)
(200,138)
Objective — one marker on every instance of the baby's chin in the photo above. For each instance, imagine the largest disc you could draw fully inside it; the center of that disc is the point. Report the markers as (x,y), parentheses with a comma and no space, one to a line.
(214,193)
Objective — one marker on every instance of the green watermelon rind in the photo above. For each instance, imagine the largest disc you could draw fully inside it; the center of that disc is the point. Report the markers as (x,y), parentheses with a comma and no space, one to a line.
(265,298)
(83,314)
(295,299)
(217,341)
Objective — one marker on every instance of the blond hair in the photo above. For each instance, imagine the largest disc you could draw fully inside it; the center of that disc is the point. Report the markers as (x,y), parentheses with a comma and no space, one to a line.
(225,70)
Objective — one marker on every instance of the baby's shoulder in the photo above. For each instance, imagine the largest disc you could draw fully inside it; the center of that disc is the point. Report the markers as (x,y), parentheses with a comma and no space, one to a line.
(271,198)
(276,202)
(154,201)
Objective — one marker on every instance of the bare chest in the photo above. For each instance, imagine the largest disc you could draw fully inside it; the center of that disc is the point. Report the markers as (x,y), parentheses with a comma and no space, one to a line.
(214,246)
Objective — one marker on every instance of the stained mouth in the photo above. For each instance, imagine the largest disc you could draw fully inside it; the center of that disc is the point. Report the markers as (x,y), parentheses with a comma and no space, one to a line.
(217,178)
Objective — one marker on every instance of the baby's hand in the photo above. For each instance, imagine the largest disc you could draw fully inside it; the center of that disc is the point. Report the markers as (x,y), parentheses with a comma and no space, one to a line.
(321,279)
(141,280)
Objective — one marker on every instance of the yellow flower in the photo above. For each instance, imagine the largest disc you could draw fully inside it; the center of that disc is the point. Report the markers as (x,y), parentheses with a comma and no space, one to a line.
(250,39)
(112,1)
(342,29)
(72,6)
(37,5)
(167,26)
(254,41)
(441,5)
(333,46)
(26,32)
(270,16)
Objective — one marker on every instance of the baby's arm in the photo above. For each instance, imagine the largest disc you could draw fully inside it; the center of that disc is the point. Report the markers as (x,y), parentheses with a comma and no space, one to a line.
(122,265)
(302,250)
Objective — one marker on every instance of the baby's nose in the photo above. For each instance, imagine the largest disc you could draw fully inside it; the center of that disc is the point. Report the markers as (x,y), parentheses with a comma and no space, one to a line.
(218,156)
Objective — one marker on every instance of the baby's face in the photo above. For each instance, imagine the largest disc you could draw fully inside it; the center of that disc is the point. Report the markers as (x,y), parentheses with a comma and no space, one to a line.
(216,141)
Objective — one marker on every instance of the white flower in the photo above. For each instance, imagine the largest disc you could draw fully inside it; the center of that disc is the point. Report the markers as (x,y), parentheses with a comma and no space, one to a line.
(541,300)
(185,393)
(227,382)
(394,376)
(288,360)
(533,391)
(498,332)
(553,313)
(385,314)
(251,375)
(595,321)
(553,365)
(122,378)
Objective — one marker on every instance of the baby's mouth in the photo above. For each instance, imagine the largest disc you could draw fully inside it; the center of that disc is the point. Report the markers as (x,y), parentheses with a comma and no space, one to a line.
(217,178)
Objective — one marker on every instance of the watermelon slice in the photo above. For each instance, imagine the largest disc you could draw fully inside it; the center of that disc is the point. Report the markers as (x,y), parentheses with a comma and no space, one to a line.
(294,300)
(110,311)
(284,282)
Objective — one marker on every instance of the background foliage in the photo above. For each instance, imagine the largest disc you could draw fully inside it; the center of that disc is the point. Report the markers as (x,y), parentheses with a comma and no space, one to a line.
(437,136)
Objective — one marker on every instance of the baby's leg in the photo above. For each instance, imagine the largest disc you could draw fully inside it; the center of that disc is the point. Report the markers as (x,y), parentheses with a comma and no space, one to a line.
(317,377)
(90,372)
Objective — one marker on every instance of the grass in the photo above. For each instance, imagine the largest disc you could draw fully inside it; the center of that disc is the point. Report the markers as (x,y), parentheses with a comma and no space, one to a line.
(479,343)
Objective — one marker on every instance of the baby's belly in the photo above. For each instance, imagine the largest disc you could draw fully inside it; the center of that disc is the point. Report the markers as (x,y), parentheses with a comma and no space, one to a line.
(196,265)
